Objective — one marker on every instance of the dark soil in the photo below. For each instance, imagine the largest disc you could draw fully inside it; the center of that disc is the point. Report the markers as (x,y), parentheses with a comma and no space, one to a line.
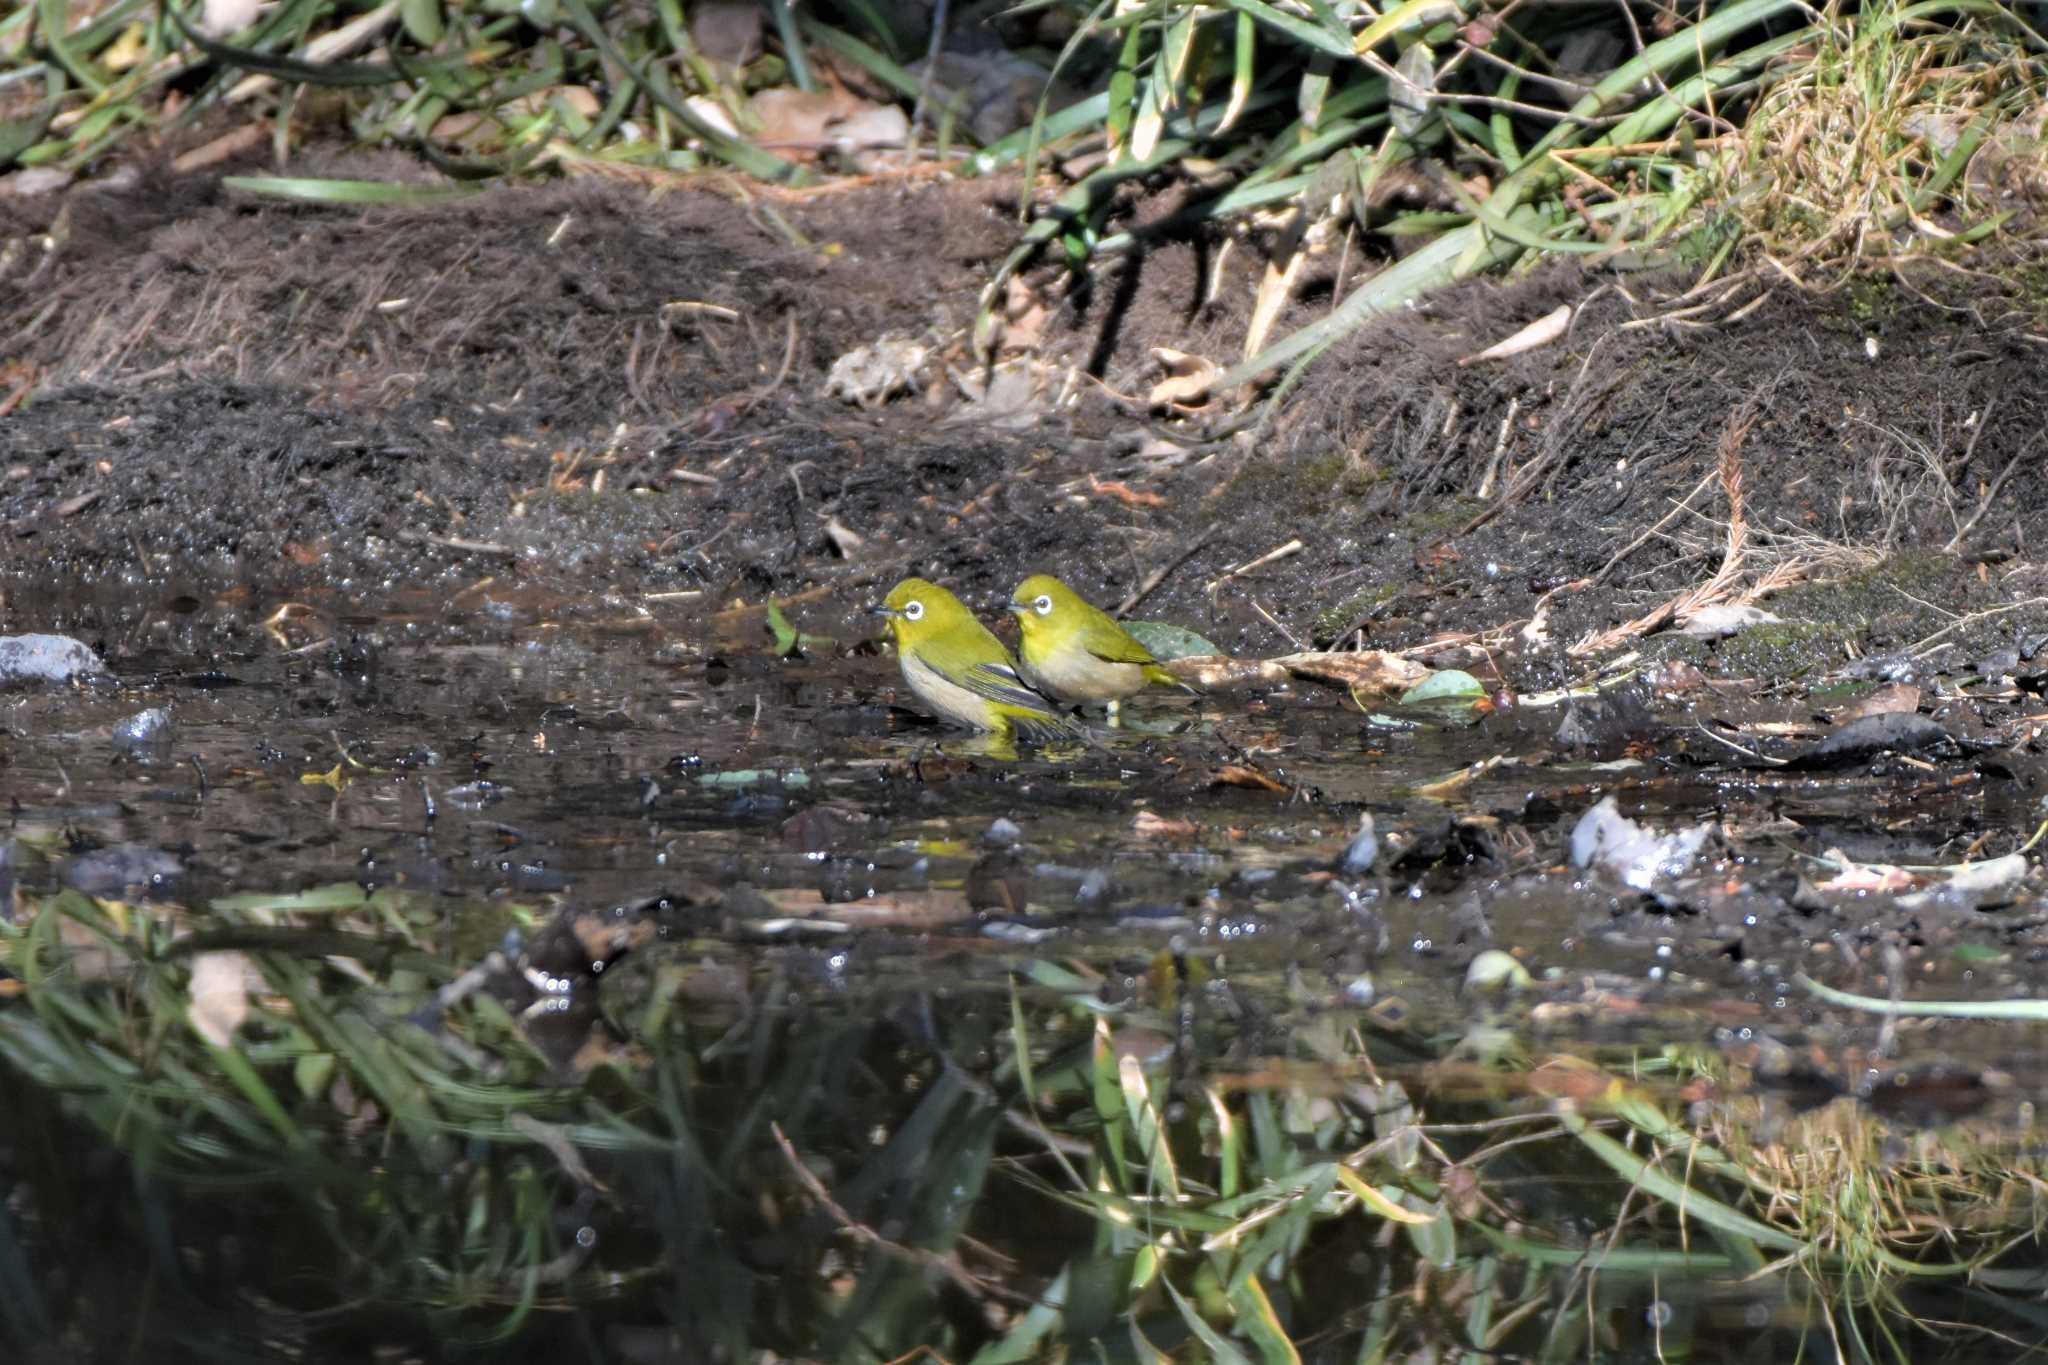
(229,391)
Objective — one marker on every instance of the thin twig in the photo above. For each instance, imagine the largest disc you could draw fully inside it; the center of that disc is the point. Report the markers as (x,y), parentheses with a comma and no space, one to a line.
(1158,575)
(949,1266)
(1292,547)
(1990,494)
(475,547)
(1274,622)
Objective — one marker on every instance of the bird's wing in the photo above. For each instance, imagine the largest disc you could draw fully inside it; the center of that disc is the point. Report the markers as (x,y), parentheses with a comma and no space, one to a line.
(998,683)
(1110,642)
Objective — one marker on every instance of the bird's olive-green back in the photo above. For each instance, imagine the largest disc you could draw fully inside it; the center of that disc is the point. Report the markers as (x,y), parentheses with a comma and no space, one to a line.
(1053,615)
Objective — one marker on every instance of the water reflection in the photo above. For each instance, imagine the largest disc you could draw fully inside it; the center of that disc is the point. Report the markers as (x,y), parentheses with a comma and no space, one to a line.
(448,983)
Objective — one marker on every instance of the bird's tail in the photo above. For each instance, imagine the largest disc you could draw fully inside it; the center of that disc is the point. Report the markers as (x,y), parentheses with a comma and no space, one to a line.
(1155,674)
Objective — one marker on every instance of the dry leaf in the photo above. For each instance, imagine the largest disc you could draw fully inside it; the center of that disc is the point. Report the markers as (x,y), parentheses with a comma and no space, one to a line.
(1541,332)
(220,996)
(1898,698)
(1187,381)
(1867,876)
(1243,775)
(1366,672)
(793,120)
(1146,825)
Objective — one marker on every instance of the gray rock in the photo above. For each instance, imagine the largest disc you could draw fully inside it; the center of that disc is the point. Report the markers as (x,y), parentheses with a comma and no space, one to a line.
(1860,741)
(145,737)
(26,660)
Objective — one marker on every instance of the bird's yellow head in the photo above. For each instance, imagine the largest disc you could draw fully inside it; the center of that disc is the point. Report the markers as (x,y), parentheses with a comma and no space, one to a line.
(920,610)
(1045,605)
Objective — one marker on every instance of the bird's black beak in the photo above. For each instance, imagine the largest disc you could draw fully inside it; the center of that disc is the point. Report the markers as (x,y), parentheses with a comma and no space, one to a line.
(1020,606)
(883,609)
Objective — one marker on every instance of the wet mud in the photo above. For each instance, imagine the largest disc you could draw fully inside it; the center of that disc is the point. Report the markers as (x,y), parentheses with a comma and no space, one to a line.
(426,553)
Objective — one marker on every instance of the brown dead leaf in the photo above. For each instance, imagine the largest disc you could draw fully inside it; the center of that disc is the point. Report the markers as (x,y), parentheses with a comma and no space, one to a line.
(1146,825)
(1024,316)
(1568,1078)
(604,937)
(793,120)
(1123,493)
(1188,378)
(1366,673)
(1897,699)
(1243,775)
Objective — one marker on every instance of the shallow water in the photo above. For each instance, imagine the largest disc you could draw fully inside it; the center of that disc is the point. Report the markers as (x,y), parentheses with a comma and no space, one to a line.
(865,914)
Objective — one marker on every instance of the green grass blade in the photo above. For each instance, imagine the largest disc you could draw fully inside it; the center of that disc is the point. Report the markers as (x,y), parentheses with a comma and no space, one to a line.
(882,67)
(793,46)
(1652,1180)
(1298,29)
(742,155)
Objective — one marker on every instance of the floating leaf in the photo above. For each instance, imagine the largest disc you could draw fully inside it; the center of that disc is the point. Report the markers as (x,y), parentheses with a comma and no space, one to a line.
(1451,684)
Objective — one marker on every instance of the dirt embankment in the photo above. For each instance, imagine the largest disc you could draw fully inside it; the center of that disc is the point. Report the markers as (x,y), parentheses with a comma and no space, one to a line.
(603,388)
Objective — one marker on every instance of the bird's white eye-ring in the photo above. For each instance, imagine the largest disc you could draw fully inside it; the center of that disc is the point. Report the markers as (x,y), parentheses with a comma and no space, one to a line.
(1043,606)
(913,611)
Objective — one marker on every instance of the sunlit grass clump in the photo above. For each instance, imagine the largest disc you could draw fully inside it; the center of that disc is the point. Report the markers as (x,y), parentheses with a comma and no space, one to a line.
(1470,136)
(1890,133)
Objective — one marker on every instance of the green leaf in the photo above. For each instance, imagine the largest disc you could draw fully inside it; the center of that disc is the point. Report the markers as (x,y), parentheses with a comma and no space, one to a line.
(1220,1351)
(1240,72)
(785,633)
(1123,89)
(1168,641)
(1026,1339)
(1653,1180)
(1257,1320)
(422,20)
(788,639)
(1445,685)
(1435,1239)
(1300,30)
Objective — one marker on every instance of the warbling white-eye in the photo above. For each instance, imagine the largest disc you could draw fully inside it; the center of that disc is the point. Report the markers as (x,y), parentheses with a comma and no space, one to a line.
(1075,652)
(956,667)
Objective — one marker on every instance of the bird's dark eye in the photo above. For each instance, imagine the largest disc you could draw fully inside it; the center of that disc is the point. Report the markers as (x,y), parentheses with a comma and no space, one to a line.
(1043,606)
(913,610)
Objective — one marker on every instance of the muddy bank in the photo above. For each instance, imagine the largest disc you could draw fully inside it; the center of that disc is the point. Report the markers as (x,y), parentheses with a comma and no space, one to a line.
(595,387)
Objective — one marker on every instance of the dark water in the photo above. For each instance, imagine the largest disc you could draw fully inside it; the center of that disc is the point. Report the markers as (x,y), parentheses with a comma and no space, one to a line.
(747,1072)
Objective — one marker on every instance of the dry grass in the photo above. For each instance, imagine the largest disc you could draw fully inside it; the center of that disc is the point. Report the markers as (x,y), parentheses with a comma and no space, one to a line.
(1857,154)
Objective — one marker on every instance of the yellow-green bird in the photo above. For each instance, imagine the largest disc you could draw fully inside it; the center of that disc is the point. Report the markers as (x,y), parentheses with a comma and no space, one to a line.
(956,667)
(1075,652)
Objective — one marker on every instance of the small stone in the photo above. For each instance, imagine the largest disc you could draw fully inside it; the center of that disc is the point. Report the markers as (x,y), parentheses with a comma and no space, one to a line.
(29,659)
(145,737)
(1363,852)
